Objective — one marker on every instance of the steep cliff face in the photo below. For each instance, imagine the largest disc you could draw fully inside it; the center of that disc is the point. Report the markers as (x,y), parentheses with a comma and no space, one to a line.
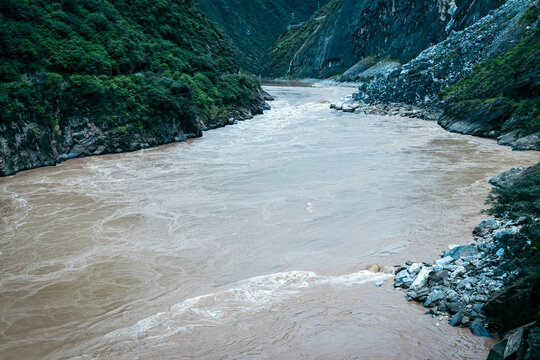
(501,97)
(90,77)
(485,78)
(254,25)
(382,29)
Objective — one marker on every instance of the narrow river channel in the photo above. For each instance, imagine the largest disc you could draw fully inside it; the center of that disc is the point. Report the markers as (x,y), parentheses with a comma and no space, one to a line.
(248,243)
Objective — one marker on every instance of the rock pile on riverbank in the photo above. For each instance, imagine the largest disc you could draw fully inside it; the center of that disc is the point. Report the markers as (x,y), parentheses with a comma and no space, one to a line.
(392,109)
(462,281)
(467,284)
(485,285)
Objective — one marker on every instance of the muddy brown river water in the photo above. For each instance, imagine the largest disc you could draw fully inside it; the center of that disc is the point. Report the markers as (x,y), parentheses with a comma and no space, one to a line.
(248,243)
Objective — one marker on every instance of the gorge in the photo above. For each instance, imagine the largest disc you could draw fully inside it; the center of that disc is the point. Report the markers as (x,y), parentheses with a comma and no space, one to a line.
(278,234)
(253,239)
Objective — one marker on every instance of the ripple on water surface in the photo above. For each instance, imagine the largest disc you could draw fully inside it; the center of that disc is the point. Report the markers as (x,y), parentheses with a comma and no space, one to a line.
(235,245)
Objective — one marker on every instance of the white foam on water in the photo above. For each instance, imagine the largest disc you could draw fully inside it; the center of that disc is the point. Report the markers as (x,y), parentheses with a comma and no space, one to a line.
(20,213)
(245,296)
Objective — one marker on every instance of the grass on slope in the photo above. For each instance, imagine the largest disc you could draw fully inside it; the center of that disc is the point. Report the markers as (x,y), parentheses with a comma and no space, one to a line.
(513,78)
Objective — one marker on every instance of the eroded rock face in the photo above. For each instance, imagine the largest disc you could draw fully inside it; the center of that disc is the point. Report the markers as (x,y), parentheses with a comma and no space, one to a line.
(505,180)
(386,29)
(28,145)
(520,343)
(422,78)
(420,81)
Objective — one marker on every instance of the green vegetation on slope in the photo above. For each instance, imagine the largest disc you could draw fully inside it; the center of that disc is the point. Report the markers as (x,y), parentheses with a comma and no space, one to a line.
(129,64)
(254,25)
(289,43)
(510,81)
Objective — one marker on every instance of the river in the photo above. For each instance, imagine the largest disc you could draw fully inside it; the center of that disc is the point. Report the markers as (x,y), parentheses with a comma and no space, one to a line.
(248,243)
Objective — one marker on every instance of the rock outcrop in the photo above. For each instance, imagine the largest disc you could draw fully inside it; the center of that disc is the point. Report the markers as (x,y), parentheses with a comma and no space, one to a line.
(486,74)
(420,80)
(33,145)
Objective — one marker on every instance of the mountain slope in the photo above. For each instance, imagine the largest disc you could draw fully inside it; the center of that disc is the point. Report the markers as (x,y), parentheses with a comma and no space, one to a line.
(254,25)
(361,29)
(84,77)
(501,97)
(485,78)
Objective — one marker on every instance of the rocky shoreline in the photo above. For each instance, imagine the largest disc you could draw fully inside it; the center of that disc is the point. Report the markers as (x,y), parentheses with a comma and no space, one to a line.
(416,89)
(36,145)
(472,284)
(348,104)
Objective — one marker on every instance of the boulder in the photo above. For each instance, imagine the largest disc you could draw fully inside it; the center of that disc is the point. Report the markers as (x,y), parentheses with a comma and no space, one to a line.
(414,268)
(348,108)
(507,178)
(497,351)
(520,343)
(500,234)
(462,252)
(456,319)
(421,280)
(454,306)
(420,294)
(514,342)
(486,227)
(400,276)
(460,270)
(437,277)
(445,261)
(434,297)
(529,142)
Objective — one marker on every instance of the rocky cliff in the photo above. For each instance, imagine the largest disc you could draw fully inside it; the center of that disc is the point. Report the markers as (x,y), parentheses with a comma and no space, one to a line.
(351,31)
(484,78)
(29,144)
